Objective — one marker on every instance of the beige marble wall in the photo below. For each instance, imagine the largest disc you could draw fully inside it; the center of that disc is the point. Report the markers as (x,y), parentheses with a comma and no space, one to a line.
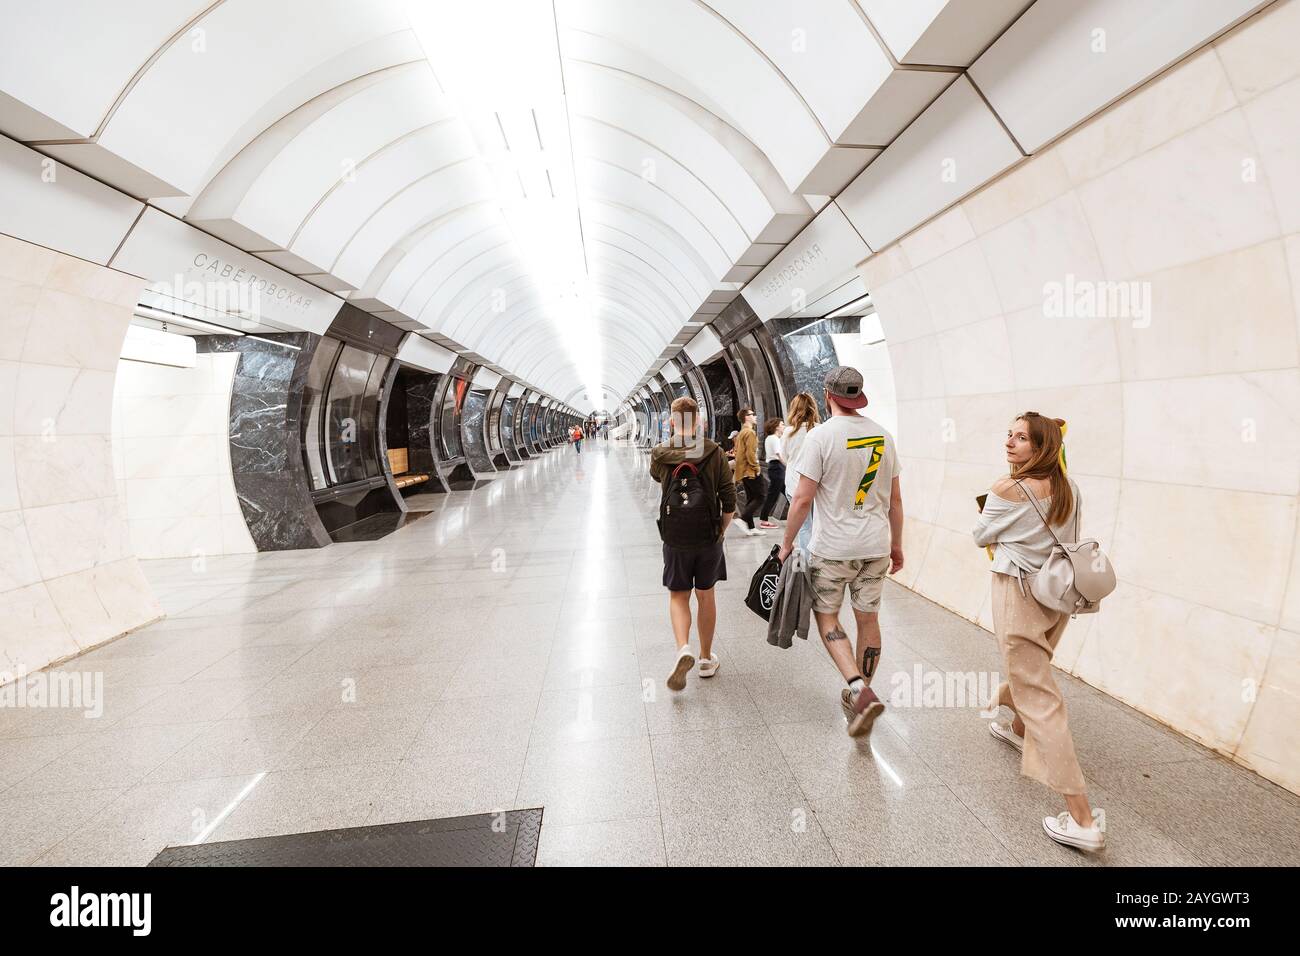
(171,444)
(1184,429)
(68,579)
(877,375)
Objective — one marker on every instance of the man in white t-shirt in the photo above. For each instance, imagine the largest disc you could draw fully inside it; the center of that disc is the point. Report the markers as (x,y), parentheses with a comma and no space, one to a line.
(848,465)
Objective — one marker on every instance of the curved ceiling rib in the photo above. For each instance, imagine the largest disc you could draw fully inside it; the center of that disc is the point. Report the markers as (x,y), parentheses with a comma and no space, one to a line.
(690,140)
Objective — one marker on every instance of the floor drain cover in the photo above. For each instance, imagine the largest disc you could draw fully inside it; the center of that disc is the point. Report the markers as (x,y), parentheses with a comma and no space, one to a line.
(508,839)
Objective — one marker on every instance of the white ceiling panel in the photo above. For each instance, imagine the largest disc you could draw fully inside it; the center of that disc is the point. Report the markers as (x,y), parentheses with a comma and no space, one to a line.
(940,32)
(69,63)
(71,212)
(1088,53)
(823,48)
(206,92)
(954,147)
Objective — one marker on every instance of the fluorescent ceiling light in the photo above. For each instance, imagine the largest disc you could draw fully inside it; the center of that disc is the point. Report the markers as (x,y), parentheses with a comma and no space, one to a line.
(183,321)
(499,62)
(283,345)
(857,305)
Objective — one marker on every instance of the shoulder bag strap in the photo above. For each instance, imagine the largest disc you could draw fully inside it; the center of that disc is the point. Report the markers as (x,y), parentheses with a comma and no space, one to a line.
(1078,531)
(1034,502)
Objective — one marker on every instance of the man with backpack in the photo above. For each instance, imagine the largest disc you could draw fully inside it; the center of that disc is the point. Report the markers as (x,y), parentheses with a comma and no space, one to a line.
(697,504)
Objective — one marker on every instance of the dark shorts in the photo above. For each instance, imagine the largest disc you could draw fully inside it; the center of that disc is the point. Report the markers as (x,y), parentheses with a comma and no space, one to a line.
(699,568)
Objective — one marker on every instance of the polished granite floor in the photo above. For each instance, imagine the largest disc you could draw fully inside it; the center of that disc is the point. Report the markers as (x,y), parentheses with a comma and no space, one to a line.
(509,651)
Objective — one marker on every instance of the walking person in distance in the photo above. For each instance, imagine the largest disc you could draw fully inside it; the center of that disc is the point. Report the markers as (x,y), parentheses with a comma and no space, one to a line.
(746,469)
(775,471)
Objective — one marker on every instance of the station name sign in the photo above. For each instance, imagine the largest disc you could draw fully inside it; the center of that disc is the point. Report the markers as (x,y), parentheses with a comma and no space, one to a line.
(821,258)
(803,260)
(183,263)
(217,268)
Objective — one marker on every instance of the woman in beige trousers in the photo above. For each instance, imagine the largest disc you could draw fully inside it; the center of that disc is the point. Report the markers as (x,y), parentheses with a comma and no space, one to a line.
(1014,528)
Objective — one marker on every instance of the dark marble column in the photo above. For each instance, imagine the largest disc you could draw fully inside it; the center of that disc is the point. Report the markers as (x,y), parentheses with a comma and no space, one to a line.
(521,426)
(271,480)
(473,440)
(722,393)
(421,391)
(508,444)
(804,352)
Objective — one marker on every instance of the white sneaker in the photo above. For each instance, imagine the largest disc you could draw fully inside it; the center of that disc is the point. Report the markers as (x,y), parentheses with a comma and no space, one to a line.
(753,531)
(685,661)
(709,665)
(1064,830)
(1004,732)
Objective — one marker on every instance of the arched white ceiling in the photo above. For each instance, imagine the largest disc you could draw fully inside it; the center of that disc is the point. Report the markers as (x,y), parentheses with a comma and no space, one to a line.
(316,134)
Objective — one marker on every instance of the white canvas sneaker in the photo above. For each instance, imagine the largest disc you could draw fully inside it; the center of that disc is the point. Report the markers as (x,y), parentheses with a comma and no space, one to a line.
(685,661)
(709,665)
(1004,732)
(1064,830)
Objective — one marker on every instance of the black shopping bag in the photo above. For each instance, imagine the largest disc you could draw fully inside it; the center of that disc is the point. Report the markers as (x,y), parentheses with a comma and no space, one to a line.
(762,586)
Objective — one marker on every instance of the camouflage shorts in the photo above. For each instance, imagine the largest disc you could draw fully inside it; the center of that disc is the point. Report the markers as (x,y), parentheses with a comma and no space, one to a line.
(864,577)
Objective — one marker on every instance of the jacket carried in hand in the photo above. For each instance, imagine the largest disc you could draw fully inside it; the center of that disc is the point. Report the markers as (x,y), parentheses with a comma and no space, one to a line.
(746,449)
(704,455)
(792,610)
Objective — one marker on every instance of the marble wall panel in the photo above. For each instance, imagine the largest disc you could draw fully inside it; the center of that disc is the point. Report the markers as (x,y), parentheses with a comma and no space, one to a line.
(68,577)
(1184,412)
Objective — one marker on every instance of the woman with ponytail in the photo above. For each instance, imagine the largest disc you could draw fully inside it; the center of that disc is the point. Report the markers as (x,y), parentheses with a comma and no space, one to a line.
(801,418)
(1013,526)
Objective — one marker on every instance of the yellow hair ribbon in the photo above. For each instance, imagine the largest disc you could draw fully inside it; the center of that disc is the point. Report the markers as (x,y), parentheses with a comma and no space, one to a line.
(1061,455)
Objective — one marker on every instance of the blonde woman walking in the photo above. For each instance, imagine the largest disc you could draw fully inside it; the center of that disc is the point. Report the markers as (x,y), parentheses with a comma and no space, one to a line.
(801,418)
(1013,523)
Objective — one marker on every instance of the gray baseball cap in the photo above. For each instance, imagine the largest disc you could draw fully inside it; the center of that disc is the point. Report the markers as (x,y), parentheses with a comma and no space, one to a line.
(845,385)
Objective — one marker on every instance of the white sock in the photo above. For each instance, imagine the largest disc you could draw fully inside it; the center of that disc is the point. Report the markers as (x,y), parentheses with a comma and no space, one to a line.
(856,685)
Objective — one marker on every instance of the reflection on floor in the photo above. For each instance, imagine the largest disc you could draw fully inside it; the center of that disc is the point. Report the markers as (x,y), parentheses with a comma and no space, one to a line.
(376,526)
(425,502)
(509,652)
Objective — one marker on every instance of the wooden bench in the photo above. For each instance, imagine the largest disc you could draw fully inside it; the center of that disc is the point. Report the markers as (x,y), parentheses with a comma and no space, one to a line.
(399,464)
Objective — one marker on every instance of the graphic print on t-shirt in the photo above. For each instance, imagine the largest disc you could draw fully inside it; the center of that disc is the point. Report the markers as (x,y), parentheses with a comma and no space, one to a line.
(877,445)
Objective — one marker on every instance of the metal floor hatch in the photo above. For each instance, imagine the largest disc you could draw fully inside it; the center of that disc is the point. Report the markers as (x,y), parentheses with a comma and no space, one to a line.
(452,841)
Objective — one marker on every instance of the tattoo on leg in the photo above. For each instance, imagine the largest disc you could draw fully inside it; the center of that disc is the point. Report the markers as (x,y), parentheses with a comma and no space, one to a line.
(870,658)
(836,634)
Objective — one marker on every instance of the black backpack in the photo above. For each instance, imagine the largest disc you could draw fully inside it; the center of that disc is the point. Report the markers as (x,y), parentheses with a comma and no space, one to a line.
(688,510)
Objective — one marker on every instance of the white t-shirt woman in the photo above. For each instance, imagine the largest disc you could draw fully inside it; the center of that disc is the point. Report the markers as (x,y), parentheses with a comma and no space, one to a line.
(791,444)
(772,448)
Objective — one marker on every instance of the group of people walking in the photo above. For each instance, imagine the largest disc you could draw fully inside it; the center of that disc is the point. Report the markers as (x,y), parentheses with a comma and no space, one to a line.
(846,516)
(593,430)
(781,442)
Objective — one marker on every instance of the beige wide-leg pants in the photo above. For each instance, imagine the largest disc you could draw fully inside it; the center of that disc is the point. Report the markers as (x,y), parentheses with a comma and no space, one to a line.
(1027,635)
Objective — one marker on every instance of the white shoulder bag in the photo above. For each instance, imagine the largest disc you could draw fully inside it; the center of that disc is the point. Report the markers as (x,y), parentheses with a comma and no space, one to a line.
(1076,576)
